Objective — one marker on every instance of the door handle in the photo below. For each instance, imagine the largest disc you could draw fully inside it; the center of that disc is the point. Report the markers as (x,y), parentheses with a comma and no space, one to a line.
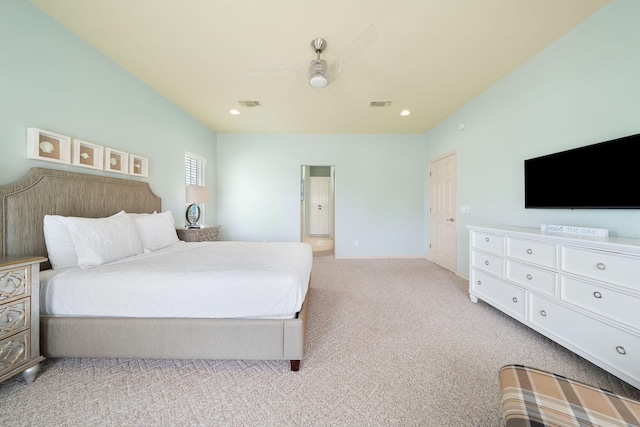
(451,219)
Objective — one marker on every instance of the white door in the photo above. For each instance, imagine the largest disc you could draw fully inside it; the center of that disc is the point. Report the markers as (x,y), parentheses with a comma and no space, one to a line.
(319,206)
(442,209)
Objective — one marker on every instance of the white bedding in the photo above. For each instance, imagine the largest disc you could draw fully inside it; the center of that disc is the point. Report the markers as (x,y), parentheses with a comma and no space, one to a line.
(195,280)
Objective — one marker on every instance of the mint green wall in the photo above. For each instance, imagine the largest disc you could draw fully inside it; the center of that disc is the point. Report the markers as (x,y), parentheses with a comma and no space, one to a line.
(380,183)
(583,89)
(51,79)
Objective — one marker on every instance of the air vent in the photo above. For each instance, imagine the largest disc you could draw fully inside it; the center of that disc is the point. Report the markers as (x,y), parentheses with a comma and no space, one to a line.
(249,103)
(380,103)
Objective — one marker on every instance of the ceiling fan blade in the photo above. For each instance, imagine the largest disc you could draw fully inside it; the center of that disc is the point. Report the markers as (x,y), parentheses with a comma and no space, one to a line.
(363,42)
(332,97)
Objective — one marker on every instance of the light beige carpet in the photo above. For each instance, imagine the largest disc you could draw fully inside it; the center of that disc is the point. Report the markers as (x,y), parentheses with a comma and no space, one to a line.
(391,342)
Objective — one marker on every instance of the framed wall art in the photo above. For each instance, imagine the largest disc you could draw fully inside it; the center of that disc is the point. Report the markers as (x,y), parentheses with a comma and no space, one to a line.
(49,146)
(138,166)
(87,155)
(116,161)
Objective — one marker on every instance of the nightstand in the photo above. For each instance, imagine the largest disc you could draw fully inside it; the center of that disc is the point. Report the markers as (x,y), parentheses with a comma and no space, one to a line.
(20,317)
(204,234)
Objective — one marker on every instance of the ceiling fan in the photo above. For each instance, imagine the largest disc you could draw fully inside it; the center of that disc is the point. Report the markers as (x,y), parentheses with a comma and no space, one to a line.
(320,74)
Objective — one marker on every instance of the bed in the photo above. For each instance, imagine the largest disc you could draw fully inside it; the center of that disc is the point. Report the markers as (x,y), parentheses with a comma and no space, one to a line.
(165,333)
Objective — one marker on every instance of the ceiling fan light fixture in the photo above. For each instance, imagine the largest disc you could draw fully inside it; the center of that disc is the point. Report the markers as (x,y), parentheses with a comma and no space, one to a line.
(318,74)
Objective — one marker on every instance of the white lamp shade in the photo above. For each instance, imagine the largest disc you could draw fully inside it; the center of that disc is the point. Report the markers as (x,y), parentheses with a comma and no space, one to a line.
(197,194)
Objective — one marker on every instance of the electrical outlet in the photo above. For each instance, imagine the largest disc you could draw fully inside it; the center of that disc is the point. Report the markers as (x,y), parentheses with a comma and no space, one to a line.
(356,243)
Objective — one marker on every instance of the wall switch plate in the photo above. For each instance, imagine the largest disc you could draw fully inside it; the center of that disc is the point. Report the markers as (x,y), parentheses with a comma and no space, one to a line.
(464,209)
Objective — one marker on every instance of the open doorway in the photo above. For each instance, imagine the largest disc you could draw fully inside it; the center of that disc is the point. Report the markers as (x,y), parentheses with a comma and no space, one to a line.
(317,188)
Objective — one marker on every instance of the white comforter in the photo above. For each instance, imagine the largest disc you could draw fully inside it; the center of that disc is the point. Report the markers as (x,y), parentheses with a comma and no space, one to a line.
(196,280)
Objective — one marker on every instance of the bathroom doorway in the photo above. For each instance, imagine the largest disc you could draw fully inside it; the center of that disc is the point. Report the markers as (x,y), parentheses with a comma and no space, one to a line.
(317,191)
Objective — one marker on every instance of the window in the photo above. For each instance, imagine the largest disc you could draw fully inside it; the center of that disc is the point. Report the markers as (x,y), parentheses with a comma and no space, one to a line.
(194,167)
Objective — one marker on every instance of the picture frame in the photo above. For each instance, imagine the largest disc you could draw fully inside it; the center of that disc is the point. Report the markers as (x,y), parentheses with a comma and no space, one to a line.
(116,161)
(87,154)
(50,146)
(138,165)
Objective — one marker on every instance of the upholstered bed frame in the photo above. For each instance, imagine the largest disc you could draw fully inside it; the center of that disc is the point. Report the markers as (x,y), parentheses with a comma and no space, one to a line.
(48,191)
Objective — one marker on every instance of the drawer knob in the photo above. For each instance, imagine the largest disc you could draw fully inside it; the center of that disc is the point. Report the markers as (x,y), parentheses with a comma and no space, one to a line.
(486,239)
(601,266)
(486,262)
(597,294)
(515,299)
(479,282)
(529,276)
(620,349)
(529,251)
(543,313)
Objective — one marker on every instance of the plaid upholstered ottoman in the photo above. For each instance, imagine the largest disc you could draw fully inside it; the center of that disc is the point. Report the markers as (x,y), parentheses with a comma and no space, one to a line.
(534,398)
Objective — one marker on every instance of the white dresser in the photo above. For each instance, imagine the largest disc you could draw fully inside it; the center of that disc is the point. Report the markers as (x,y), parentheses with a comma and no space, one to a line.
(582,292)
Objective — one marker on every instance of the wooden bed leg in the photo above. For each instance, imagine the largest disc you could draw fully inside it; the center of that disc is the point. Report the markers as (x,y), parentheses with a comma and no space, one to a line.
(295,365)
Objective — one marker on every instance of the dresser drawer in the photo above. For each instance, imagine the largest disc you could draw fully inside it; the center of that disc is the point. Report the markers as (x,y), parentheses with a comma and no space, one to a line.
(14,351)
(488,242)
(14,283)
(14,317)
(488,262)
(606,266)
(544,254)
(499,293)
(613,346)
(537,279)
(607,302)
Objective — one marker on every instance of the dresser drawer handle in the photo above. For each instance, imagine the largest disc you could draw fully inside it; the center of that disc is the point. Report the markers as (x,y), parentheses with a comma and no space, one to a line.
(515,299)
(620,349)
(479,282)
(486,262)
(543,313)
(530,277)
(597,294)
(486,239)
(529,251)
(601,266)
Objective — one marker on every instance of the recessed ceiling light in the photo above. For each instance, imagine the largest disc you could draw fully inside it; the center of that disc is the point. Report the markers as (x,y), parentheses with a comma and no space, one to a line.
(405,112)
(234,112)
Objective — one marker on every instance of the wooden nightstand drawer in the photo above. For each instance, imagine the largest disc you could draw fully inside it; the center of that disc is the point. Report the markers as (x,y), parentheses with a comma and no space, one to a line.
(14,351)
(14,317)
(14,283)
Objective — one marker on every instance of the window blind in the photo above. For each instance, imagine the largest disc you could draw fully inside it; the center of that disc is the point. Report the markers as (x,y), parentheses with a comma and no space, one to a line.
(194,169)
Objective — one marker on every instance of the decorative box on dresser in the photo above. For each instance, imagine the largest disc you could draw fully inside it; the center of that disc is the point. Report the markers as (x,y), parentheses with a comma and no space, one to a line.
(204,234)
(582,292)
(20,317)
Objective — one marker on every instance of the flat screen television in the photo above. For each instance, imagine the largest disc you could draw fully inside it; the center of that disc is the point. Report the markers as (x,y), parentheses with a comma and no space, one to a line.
(599,176)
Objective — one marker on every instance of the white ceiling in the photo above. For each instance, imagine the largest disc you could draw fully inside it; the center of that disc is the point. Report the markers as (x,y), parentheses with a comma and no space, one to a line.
(431,56)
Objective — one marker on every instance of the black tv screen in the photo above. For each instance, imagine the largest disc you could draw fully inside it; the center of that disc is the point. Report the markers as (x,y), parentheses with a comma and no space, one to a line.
(599,176)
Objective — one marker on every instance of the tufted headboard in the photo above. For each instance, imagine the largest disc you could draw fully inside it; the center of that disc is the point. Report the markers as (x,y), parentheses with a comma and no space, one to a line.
(54,192)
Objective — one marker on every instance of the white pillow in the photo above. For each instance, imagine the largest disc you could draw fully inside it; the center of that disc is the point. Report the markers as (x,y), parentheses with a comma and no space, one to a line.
(101,240)
(60,248)
(156,230)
